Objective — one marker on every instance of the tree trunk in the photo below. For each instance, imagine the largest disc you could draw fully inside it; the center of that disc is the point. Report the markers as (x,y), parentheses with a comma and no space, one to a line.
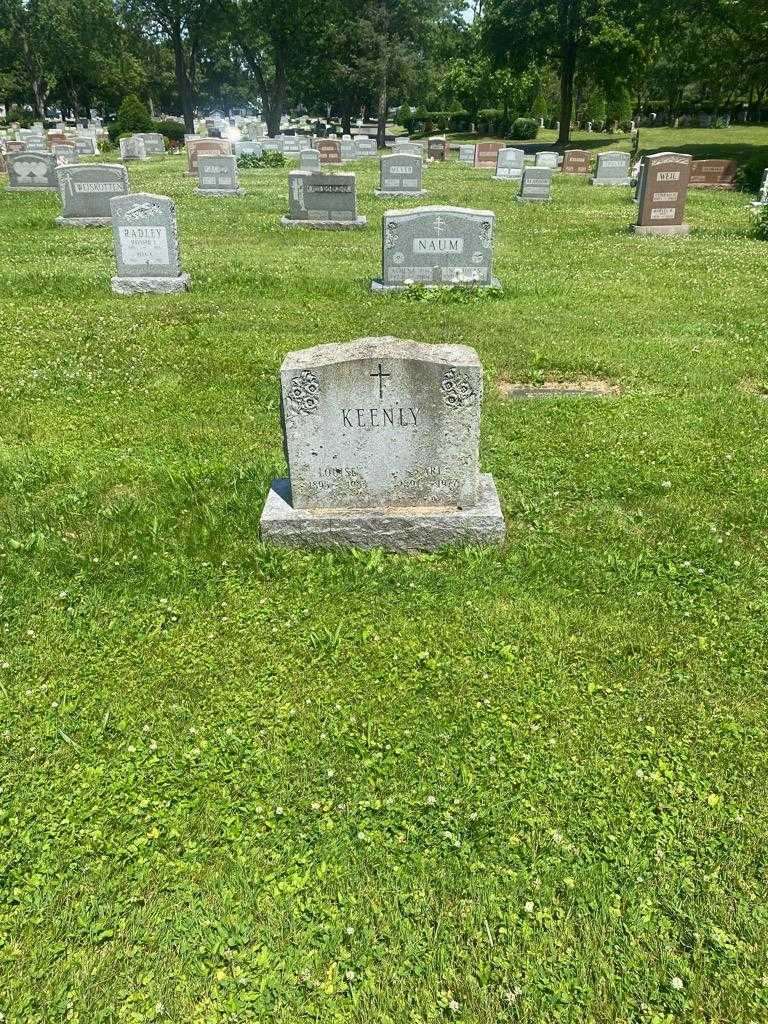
(183,84)
(381,78)
(567,71)
(569,26)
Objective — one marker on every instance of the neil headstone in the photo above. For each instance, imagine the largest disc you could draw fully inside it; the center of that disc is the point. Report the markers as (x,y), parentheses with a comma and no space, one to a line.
(400,175)
(217,176)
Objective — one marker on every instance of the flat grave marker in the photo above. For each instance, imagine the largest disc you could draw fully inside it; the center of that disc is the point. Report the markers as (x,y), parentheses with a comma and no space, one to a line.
(713,174)
(576,161)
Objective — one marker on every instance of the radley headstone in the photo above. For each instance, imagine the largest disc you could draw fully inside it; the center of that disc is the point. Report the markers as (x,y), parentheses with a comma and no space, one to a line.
(146,245)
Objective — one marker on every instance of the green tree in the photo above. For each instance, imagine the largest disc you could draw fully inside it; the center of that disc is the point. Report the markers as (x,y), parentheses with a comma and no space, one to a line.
(133,116)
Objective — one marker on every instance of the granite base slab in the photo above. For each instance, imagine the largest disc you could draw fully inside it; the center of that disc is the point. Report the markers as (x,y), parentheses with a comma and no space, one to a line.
(661,229)
(377,285)
(508,177)
(150,285)
(33,188)
(406,195)
(325,225)
(533,199)
(611,184)
(402,530)
(84,222)
(220,192)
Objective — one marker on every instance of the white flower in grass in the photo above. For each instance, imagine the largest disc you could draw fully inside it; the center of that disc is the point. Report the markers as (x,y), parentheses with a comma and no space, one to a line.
(529,907)
(677,984)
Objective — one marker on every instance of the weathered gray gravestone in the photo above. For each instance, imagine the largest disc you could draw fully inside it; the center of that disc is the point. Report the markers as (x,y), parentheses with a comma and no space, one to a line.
(662,195)
(436,246)
(467,154)
(400,175)
(154,143)
(365,146)
(535,186)
(86,191)
(412,148)
(509,164)
(576,161)
(132,148)
(309,160)
(612,169)
(86,146)
(546,159)
(146,245)
(381,438)
(32,172)
(317,200)
(217,176)
(65,154)
(248,148)
(348,150)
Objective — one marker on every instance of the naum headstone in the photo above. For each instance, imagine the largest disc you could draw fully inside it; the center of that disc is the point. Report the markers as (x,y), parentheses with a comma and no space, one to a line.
(436,246)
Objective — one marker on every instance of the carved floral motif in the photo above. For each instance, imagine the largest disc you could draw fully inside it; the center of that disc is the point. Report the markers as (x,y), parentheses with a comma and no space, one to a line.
(458,389)
(303,393)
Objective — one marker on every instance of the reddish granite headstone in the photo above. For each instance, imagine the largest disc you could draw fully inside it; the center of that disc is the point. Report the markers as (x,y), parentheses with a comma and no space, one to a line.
(205,147)
(329,150)
(576,161)
(663,191)
(713,174)
(486,154)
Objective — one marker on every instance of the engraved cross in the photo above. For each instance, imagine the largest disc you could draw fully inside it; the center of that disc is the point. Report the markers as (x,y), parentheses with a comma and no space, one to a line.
(381,375)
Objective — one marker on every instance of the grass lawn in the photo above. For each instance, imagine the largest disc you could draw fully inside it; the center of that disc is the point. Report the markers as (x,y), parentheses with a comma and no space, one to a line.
(246,785)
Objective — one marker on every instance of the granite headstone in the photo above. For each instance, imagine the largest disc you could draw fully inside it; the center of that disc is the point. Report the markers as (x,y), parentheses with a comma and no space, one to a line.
(400,175)
(318,200)
(86,191)
(146,245)
(664,187)
(32,172)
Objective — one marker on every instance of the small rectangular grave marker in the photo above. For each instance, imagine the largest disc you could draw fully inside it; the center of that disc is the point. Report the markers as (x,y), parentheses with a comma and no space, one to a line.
(436,246)
(663,190)
(467,154)
(612,169)
(545,158)
(509,164)
(437,148)
(146,245)
(576,161)
(536,185)
(381,438)
(217,176)
(329,150)
(86,191)
(32,172)
(318,200)
(132,148)
(486,155)
(154,143)
(309,160)
(400,175)
(713,174)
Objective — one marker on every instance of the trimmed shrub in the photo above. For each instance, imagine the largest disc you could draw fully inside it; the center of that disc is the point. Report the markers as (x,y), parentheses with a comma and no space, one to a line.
(249,161)
(750,174)
(172,130)
(133,116)
(525,128)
